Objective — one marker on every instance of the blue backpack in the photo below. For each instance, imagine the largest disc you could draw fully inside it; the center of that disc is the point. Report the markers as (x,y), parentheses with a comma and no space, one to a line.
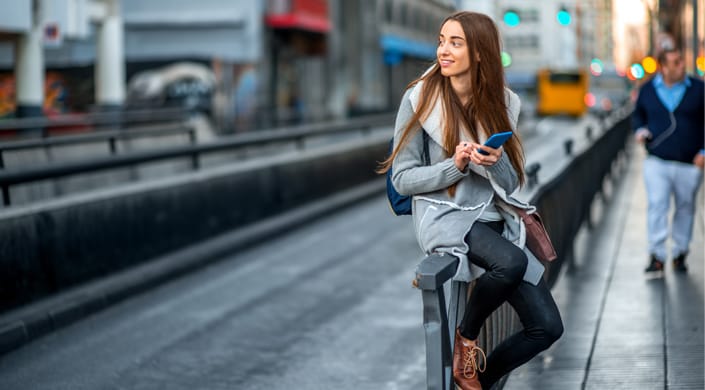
(401,204)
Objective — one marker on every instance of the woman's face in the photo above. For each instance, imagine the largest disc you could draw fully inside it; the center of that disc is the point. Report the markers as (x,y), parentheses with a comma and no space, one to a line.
(452,52)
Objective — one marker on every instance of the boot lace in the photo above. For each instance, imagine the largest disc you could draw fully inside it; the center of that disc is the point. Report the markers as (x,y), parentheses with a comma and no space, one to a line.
(474,361)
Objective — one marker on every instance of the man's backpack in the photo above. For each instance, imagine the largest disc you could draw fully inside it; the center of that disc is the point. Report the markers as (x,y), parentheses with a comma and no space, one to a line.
(401,204)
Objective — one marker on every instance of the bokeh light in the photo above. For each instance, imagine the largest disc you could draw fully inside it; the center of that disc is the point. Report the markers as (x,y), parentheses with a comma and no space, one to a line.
(649,64)
(596,67)
(506,59)
(637,71)
(511,18)
(563,17)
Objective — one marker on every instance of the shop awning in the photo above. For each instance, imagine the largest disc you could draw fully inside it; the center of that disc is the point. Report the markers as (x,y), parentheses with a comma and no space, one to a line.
(308,15)
(395,47)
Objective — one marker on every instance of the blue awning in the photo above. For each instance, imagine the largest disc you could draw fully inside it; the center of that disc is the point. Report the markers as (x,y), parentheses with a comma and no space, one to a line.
(520,79)
(395,47)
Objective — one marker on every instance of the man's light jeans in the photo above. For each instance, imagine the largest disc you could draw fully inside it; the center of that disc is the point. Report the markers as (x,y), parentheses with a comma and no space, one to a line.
(662,179)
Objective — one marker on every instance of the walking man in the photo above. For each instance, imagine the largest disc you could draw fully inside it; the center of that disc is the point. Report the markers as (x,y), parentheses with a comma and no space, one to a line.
(668,121)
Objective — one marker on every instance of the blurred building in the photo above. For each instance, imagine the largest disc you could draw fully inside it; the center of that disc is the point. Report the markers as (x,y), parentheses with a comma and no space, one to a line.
(97,46)
(271,62)
(336,58)
(693,39)
(29,32)
(263,63)
(556,34)
(645,27)
(681,23)
(379,46)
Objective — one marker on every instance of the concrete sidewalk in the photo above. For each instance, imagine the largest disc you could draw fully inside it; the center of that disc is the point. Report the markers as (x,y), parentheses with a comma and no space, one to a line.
(624,329)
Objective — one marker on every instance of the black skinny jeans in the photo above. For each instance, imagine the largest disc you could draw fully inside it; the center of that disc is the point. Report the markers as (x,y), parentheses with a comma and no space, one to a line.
(505,264)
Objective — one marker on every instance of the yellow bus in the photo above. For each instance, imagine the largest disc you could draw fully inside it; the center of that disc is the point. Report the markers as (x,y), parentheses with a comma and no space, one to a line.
(561,92)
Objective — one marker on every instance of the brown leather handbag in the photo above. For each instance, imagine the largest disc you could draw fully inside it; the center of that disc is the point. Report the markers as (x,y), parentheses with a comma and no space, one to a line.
(537,239)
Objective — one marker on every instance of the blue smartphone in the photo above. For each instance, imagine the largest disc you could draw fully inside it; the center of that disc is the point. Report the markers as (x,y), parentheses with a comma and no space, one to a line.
(496,140)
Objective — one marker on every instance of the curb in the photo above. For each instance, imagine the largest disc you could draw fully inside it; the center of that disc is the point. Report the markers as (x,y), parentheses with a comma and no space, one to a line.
(28,323)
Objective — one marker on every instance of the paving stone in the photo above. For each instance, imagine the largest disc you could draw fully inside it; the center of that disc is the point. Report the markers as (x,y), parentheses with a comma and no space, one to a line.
(625,329)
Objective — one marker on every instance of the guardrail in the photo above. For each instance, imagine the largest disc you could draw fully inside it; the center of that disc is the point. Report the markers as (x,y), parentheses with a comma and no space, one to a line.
(576,186)
(110,136)
(93,120)
(297,134)
(199,217)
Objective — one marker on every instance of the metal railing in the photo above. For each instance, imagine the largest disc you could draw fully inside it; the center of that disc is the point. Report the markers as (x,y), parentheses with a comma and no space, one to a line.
(110,136)
(297,134)
(94,120)
(577,186)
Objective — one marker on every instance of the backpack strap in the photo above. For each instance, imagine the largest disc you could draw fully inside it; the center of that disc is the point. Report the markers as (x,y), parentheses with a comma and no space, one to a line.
(426,154)
(401,204)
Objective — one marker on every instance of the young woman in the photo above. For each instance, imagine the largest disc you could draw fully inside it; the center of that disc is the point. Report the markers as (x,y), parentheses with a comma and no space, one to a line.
(461,201)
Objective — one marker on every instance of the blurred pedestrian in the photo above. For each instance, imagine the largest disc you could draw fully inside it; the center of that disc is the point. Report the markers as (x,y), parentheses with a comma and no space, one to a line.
(668,120)
(244,98)
(461,202)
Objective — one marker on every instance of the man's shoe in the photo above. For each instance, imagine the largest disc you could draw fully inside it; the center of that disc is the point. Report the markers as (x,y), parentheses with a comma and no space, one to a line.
(655,265)
(468,361)
(679,263)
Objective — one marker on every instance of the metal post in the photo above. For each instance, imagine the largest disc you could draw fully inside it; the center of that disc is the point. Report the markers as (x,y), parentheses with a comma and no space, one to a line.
(113,148)
(6,194)
(195,163)
(532,174)
(568,146)
(431,275)
(192,136)
(438,354)
(456,306)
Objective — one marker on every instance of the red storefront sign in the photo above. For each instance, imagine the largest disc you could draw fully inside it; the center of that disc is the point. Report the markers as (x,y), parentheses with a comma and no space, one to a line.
(309,15)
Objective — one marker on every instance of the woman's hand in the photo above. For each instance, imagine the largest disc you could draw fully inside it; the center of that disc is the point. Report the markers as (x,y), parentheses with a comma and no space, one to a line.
(461,156)
(467,152)
(490,158)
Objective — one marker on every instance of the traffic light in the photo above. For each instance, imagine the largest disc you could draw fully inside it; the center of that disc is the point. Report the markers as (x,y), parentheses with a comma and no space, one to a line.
(511,18)
(563,16)
(596,67)
(506,59)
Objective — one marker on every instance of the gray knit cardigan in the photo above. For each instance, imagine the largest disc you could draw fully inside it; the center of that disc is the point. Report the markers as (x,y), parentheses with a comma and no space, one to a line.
(442,222)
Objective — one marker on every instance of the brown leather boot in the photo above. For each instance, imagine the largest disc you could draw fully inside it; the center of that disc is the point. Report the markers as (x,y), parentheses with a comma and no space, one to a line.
(468,361)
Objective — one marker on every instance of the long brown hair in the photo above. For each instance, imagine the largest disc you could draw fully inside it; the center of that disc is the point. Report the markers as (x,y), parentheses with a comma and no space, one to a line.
(486,106)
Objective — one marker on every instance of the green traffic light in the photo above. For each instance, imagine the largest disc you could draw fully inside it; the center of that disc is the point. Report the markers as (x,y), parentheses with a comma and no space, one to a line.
(563,17)
(511,18)
(506,59)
